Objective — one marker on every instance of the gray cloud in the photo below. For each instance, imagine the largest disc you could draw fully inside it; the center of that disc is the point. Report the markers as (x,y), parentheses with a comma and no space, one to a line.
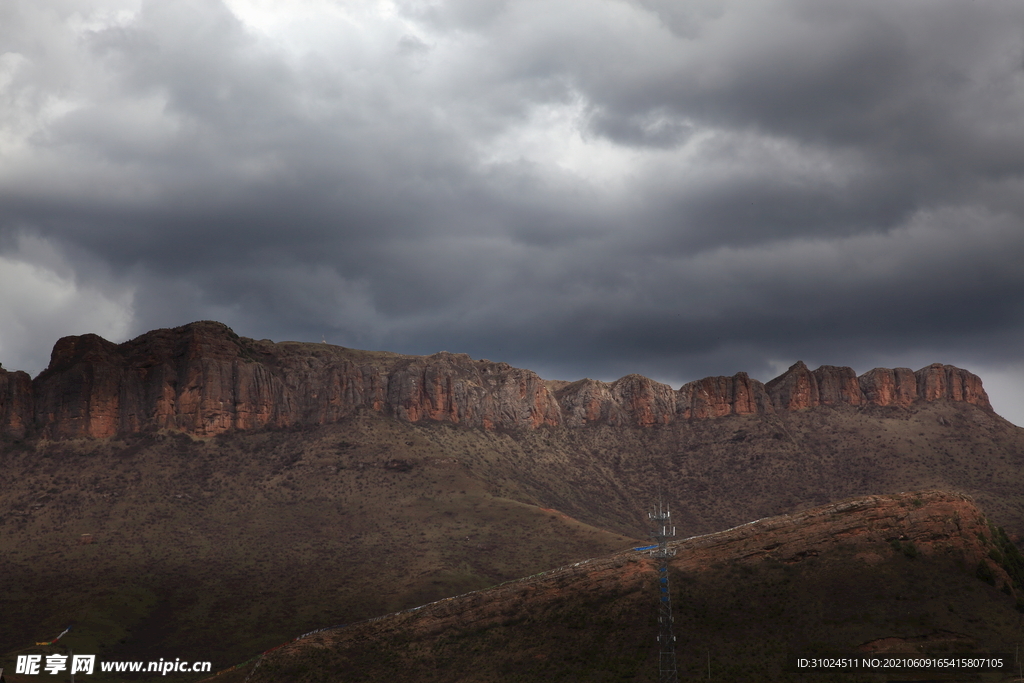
(582,188)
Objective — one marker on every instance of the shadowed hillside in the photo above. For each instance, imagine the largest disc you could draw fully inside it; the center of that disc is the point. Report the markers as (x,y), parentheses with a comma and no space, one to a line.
(215,549)
(882,574)
(228,545)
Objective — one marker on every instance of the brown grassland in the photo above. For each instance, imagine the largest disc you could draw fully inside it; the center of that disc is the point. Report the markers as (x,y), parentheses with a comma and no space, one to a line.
(217,549)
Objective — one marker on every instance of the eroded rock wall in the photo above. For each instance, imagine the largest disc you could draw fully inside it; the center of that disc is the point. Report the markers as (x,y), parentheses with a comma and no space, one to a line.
(720,396)
(799,388)
(15,403)
(204,379)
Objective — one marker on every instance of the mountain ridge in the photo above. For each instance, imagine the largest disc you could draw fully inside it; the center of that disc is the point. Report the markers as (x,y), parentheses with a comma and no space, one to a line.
(309,512)
(204,379)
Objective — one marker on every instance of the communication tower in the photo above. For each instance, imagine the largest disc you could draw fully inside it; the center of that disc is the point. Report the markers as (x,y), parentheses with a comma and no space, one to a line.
(666,638)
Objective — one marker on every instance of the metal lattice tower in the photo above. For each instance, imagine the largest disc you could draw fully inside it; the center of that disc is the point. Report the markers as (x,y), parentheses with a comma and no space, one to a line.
(666,638)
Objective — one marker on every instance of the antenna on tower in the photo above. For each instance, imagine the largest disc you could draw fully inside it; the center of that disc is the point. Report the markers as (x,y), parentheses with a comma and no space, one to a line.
(667,672)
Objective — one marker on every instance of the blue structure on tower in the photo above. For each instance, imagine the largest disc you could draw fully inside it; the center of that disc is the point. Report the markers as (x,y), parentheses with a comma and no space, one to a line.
(666,638)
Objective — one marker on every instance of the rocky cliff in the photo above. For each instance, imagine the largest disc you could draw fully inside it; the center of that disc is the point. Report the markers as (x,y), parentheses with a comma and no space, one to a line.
(204,379)
(15,403)
(633,400)
(800,388)
(718,396)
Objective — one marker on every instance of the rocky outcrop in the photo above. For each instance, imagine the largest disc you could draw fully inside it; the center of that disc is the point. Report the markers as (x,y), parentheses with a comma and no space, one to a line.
(15,403)
(646,402)
(454,388)
(204,379)
(799,388)
(191,378)
(633,400)
(719,396)
(939,381)
(838,385)
(83,388)
(795,389)
(588,401)
(885,387)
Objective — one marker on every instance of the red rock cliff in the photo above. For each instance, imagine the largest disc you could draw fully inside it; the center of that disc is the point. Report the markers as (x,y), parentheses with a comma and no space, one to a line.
(454,388)
(885,387)
(204,379)
(799,388)
(633,401)
(15,403)
(939,381)
(588,401)
(718,396)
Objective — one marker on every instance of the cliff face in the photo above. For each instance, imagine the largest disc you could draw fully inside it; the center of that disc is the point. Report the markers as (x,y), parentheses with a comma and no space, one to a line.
(800,388)
(15,403)
(886,387)
(204,379)
(633,401)
(191,378)
(454,388)
(718,396)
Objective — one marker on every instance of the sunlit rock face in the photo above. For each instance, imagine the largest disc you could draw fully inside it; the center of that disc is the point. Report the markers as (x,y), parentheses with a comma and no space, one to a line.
(885,387)
(719,396)
(799,388)
(204,379)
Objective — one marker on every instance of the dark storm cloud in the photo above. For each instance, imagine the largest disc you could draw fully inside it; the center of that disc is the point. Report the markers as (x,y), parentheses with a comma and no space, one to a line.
(583,188)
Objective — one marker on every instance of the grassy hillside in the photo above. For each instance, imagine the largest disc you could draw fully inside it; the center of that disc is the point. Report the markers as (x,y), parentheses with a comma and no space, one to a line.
(220,548)
(746,622)
(215,550)
(746,617)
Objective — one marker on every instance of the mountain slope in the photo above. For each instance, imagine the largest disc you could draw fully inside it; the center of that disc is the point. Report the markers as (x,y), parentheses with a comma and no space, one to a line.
(881,574)
(238,492)
(214,549)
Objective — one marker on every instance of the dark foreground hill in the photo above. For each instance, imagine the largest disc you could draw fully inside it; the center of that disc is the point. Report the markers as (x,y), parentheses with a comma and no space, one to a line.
(880,575)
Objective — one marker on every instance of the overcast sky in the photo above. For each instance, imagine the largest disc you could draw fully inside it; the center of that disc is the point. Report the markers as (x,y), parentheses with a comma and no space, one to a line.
(583,188)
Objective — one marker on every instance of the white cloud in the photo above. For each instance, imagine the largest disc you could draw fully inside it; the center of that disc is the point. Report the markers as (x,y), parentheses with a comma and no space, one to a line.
(653,185)
(43,301)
